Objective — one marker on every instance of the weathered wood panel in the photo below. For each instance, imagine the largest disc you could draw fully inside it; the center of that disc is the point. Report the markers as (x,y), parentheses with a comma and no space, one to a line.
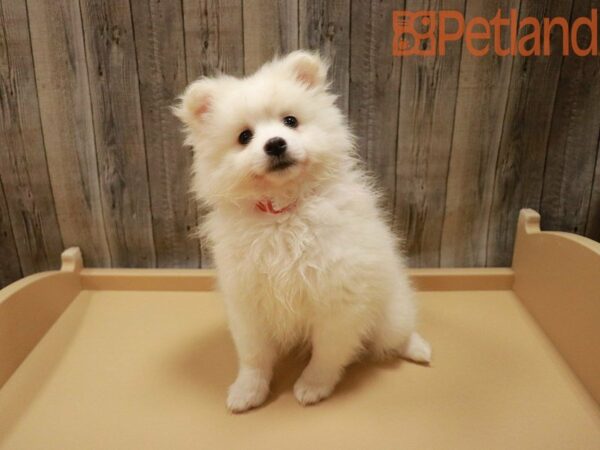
(160,50)
(593,224)
(10,267)
(572,149)
(520,168)
(325,26)
(66,114)
(214,37)
(214,42)
(428,95)
(115,101)
(481,104)
(23,167)
(458,143)
(374,88)
(270,28)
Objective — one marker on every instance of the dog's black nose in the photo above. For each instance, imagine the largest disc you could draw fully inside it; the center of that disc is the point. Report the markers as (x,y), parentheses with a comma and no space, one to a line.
(275,146)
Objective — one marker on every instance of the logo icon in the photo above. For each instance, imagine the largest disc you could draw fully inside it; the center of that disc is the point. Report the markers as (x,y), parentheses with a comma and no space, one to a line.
(426,33)
(414,33)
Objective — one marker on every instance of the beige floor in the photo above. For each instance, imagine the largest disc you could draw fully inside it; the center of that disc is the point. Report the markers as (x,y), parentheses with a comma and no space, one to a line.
(149,370)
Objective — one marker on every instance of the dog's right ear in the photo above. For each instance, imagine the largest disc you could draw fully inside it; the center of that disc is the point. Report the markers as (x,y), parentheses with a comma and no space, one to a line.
(307,67)
(195,103)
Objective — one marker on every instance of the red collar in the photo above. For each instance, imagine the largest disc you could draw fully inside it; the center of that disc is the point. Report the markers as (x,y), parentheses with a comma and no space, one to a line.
(266,206)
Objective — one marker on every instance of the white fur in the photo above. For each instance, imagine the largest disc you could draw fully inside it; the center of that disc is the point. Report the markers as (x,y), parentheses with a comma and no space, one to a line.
(328,272)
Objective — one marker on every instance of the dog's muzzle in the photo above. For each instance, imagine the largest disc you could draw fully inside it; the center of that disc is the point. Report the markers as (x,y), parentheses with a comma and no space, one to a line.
(279,160)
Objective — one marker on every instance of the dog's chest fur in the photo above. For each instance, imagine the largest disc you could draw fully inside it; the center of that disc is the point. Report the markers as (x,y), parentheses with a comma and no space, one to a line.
(279,257)
(290,268)
(278,267)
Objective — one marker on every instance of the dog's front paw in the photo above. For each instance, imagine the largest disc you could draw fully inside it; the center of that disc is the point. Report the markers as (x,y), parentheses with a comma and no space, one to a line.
(308,393)
(248,391)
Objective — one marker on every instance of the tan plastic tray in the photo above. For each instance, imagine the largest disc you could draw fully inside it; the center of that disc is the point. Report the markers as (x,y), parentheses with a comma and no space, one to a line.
(141,359)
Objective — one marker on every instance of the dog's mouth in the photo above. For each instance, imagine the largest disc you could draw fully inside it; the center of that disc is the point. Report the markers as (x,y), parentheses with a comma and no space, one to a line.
(279,164)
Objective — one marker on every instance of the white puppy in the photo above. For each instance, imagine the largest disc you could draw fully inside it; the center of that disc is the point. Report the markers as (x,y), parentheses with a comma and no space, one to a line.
(302,251)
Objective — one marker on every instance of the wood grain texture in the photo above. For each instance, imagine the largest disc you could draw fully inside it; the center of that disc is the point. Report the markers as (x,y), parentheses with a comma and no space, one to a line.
(115,101)
(270,28)
(325,26)
(66,115)
(519,174)
(160,50)
(214,37)
(593,223)
(374,89)
(10,266)
(214,43)
(23,167)
(457,143)
(428,95)
(480,109)
(572,149)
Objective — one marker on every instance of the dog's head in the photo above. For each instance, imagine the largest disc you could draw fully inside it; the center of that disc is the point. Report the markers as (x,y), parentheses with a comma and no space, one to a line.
(274,130)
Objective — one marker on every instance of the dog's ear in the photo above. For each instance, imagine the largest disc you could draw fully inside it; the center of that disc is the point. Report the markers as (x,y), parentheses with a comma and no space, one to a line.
(308,68)
(195,102)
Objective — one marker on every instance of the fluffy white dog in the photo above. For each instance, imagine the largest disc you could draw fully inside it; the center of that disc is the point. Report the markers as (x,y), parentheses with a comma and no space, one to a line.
(302,251)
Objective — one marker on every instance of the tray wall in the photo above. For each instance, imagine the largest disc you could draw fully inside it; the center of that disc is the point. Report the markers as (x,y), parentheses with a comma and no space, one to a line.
(557,277)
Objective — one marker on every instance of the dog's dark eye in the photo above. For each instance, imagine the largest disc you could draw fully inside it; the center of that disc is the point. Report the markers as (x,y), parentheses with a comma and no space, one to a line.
(245,137)
(290,121)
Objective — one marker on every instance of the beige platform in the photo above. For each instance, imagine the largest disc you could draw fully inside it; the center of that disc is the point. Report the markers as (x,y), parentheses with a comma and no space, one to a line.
(141,359)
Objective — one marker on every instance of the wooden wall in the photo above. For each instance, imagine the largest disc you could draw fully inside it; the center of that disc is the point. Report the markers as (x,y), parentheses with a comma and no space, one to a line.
(91,156)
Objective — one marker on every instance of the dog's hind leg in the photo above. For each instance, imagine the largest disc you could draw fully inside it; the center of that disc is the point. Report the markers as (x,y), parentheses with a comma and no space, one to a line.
(395,335)
(417,349)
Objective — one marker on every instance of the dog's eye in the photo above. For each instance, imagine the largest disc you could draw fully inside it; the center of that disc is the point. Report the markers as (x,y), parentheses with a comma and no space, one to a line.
(245,137)
(290,121)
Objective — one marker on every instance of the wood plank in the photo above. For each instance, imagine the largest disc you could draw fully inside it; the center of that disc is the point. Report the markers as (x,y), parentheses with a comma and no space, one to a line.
(63,91)
(214,39)
(520,169)
(572,148)
(115,101)
(481,104)
(214,42)
(325,26)
(10,266)
(160,50)
(374,91)
(592,229)
(428,94)
(270,28)
(23,166)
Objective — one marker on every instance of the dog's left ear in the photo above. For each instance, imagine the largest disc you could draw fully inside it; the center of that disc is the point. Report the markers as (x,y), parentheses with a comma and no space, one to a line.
(307,67)
(196,102)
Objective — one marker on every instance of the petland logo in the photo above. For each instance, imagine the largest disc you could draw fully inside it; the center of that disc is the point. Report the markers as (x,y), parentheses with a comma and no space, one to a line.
(412,30)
